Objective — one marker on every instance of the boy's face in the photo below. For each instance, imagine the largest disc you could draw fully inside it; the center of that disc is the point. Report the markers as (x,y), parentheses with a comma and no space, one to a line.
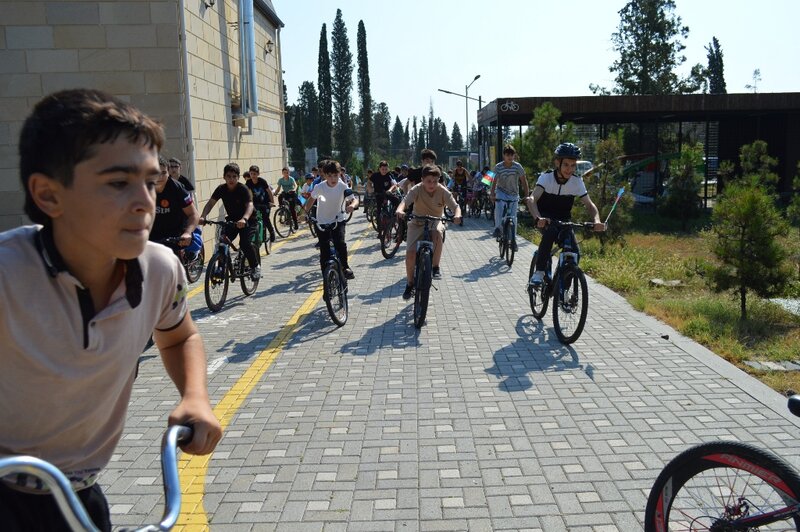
(109,209)
(174,170)
(161,183)
(428,160)
(508,158)
(384,170)
(430,182)
(285,174)
(254,176)
(331,179)
(231,179)
(567,167)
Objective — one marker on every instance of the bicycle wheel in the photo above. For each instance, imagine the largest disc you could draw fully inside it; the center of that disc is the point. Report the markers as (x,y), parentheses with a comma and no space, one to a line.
(723,486)
(194,268)
(570,303)
(391,239)
(249,284)
(537,294)
(313,228)
(216,283)
(422,286)
(489,210)
(509,238)
(335,294)
(282,222)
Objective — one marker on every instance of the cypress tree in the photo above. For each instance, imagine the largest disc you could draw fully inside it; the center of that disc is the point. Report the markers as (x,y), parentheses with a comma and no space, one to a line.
(325,105)
(364,92)
(341,88)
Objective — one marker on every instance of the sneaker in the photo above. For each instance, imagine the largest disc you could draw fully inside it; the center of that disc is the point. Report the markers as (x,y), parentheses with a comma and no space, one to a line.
(437,272)
(496,233)
(272,237)
(256,273)
(537,278)
(348,274)
(409,291)
(514,246)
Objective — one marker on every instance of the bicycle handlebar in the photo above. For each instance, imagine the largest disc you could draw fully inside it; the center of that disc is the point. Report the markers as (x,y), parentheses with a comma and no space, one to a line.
(445,218)
(71,507)
(325,227)
(580,225)
(220,222)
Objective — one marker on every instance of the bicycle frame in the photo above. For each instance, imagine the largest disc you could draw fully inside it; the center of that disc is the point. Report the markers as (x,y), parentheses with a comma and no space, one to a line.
(71,507)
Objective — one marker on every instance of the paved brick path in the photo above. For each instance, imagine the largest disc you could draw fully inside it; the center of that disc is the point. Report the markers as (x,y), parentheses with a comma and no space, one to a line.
(480,421)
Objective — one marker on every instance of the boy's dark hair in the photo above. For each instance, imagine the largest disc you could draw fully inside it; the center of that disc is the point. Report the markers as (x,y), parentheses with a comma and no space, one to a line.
(175,160)
(64,127)
(331,167)
(284,168)
(255,168)
(162,161)
(427,153)
(509,149)
(246,175)
(231,167)
(315,169)
(383,163)
(431,169)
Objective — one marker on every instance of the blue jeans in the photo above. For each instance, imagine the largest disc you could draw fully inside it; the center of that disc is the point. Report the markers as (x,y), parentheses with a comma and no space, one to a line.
(500,206)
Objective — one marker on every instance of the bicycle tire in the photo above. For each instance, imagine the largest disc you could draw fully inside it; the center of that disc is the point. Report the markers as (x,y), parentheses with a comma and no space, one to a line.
(489,210)
(249,284)
(422,286)
(216,283)
(570,301)
(691,486)
(335,294)
(509,234)
(282,222)
(537,294)
(391,239)
(312,227)
(194,268)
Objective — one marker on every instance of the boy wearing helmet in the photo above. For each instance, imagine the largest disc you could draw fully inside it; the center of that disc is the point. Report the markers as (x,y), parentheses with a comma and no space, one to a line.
(553,197)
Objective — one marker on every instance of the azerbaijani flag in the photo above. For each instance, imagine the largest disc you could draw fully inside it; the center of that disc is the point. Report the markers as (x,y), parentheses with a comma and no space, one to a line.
(488,178)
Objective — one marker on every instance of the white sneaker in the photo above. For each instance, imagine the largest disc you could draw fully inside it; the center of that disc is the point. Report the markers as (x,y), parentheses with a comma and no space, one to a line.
(256,273)
(537,277)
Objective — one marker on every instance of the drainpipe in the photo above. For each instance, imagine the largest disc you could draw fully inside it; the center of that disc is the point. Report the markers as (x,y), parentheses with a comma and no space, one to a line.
(187,100)
(279,62)
(248,81)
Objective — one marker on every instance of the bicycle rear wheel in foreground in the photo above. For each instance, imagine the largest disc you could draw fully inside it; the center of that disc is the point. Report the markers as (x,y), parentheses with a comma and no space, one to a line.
(282,222)
(722,486)
(537,294)
(570,303)
(335,294)
(422,286)
(216,283)
(249,284)
(391,238)
(509,233)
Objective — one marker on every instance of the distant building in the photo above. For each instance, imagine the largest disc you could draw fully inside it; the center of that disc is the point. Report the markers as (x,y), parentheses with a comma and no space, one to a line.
(177,60)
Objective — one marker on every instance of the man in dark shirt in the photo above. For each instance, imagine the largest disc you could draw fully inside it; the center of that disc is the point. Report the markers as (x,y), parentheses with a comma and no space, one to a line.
(176,214)
(383,185)
(238,203)
(174,166)
(262,199)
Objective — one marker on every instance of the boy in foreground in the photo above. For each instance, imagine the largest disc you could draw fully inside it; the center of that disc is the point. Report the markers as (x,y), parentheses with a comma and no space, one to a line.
(429,198)
(93,291)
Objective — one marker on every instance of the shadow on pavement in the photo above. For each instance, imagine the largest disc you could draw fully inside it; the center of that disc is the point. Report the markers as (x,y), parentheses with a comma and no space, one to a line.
(306,282)
(515,362)
(398,332)
(381,294)
(496,266)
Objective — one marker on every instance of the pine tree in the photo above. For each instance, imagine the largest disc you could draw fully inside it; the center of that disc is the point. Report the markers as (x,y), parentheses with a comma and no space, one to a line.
(396,140)
(406,139)
(683,201)
(649,41)
(365,132)
(308,102)
(456,140)
(381,120)
(341,88)
(324,138)
(716,69)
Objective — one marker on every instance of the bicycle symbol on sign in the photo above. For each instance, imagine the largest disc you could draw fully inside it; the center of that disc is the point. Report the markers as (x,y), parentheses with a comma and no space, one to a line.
(509,106)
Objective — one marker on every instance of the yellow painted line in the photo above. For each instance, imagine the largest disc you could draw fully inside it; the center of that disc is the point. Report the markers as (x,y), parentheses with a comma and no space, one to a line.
(194,468)
(197,289)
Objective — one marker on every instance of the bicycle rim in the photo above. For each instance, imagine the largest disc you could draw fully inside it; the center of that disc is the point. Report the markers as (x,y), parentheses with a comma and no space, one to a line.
(335,295)
(282,222)
(537,294)
(390,240)
(216,283)
(194,269)
(722,486)
(422,287)
(249,284)
(509,248)
(570,303)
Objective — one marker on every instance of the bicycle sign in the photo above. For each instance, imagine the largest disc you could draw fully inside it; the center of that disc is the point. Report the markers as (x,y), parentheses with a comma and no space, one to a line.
(510,106)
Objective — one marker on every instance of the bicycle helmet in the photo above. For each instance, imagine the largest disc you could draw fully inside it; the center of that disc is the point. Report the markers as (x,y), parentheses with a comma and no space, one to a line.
(567,150)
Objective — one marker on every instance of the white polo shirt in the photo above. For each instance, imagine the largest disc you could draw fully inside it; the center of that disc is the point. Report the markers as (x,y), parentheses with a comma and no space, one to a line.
(66,371)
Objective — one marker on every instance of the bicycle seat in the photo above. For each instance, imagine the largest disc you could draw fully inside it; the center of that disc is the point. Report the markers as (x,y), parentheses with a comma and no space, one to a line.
(794,405)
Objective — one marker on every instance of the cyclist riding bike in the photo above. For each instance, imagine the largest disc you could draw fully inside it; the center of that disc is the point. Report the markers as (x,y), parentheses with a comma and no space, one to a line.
(176,214)
(460,181)
(509,179)
(238,203)
(383,186)
(288,188)
(553,198)
(263,199)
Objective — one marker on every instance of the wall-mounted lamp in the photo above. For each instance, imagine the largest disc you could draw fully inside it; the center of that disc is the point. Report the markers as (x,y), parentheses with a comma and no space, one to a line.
(268,47)
(209,3)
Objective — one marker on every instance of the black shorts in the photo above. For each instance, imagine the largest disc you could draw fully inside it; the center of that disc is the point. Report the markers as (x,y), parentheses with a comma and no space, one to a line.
(26,512)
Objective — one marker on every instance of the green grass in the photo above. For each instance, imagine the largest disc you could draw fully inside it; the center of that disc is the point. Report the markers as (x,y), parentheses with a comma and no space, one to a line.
(656,248)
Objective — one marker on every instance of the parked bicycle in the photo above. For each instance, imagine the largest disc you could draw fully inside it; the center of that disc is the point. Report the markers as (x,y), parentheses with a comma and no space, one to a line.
(567,285)
(192,263)
(70,505)
(334,283)
(423,267)
(507,241)
(222,270)
(726,486)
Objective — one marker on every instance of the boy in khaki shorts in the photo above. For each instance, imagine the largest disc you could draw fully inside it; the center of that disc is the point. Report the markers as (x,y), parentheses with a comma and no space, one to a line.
(429,198)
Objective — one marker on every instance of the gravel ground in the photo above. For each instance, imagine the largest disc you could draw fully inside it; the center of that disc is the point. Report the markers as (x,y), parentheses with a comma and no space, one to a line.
(792,305)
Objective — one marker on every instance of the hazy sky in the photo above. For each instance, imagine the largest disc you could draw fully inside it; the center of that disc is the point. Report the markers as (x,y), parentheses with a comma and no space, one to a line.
(524,47)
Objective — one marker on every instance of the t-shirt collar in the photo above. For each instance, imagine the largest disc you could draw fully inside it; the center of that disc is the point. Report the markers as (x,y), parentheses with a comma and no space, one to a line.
(54,264)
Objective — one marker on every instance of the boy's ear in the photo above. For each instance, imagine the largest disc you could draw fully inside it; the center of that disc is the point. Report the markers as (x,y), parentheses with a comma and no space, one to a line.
(44,191)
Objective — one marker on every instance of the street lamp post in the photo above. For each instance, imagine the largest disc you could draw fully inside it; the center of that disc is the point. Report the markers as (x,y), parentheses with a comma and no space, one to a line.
(467,98)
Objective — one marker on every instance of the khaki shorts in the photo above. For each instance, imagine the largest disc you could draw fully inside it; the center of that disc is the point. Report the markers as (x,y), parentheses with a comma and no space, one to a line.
(415,229)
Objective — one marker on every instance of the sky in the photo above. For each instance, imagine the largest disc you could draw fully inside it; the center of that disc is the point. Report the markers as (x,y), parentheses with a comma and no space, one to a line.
(524,47)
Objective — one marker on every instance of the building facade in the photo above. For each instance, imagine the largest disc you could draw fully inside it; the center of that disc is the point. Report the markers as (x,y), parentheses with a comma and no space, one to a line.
(177,60)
